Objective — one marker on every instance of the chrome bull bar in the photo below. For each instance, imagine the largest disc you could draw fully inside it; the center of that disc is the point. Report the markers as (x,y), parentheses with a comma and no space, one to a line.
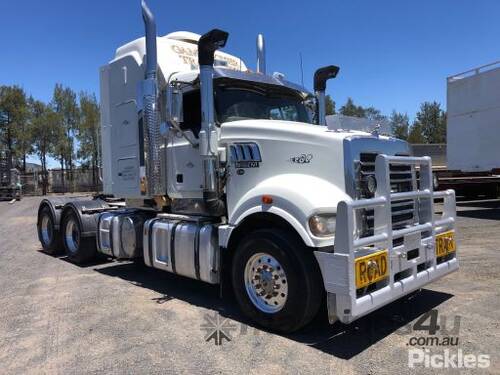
(405,274)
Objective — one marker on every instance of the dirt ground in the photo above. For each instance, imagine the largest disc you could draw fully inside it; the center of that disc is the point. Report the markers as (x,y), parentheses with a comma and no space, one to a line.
(59,318)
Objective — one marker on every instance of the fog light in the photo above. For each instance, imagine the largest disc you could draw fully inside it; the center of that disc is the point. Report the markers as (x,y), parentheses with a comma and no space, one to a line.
(371,185)
(322,225)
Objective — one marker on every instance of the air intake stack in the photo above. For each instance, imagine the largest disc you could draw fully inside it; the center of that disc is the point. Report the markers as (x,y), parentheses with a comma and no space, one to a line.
(320,77)
(207,45)
(152,176)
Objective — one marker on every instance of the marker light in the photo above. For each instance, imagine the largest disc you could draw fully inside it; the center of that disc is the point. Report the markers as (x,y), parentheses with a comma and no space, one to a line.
(267,199)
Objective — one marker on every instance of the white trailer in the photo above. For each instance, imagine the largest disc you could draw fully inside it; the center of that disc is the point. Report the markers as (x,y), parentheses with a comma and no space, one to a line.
(228,180)
(473,131)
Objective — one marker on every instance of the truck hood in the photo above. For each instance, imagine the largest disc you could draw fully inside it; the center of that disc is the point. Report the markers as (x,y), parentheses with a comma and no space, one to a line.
(293,147)
(309,135)
(297,132)
(308,169)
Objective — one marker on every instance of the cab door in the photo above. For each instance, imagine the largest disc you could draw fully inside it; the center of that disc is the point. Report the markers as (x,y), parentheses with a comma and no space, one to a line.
(184,165)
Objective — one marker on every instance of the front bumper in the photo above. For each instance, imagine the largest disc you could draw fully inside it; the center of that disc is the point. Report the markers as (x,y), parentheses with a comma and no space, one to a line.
(409,269)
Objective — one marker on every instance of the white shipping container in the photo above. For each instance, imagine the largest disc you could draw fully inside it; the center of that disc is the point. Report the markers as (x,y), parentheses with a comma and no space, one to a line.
(473,133)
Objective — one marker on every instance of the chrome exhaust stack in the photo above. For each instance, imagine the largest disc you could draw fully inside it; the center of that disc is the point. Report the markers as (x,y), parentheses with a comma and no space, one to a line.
(151,170)
(320,77)
(207,45)
(261,54)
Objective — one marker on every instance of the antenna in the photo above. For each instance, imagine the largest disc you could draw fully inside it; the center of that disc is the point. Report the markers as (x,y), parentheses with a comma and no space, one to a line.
(301,69)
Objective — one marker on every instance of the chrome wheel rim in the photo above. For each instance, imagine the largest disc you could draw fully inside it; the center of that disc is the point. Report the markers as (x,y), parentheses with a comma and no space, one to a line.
(266,283)
(46,229)
(72,235)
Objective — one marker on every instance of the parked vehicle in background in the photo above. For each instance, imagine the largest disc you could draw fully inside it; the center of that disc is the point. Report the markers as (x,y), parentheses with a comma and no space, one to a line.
(10,178)
(226,179)
(473,133)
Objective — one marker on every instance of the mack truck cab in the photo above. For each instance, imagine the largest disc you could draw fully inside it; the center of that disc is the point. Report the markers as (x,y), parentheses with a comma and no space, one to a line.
(230,176)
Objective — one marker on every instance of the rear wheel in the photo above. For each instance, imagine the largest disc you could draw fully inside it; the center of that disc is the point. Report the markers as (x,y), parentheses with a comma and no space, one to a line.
(276,280)
(78,249)
(49,237)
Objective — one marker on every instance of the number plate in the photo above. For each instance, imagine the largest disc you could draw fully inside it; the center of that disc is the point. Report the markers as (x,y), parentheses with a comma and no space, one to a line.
(445,244)
(371,268)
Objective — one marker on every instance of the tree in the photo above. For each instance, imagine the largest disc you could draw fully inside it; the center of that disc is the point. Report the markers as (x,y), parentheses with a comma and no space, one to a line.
(13,124)
(65,105)
(433,122)
(44,127)
(416,135)
(350,109)
(373,113)
(329,105)
(400,124)
(88,133)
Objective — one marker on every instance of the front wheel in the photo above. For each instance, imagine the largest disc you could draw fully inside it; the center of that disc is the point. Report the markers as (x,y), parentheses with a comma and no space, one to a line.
(276,280)
(78,249)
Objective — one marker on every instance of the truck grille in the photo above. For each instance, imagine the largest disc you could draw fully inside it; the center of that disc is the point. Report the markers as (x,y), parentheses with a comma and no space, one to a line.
(403,178)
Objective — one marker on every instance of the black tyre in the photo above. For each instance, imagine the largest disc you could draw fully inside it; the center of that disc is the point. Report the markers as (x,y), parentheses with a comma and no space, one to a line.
(276,280)
(79,249)
(48,236)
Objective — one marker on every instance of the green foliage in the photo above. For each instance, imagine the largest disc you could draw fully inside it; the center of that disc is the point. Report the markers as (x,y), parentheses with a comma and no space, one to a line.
(432,121)
(428,127)
(66,128)
(45,131)
(416,135)
(351,109)
(373,113)
(88,132)
(400,124)
(65,105)
(329,105)
(14,132)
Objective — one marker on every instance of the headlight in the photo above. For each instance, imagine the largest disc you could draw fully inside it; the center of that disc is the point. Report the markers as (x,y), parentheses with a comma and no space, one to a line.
(322,225)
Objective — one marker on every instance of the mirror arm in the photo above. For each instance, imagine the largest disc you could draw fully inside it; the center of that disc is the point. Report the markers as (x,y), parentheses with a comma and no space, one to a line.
(176,126)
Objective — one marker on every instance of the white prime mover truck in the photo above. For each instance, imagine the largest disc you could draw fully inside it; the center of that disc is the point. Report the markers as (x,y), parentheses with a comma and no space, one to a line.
(228,180)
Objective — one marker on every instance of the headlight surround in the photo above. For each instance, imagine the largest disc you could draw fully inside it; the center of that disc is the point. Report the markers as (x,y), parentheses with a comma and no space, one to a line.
(323,225)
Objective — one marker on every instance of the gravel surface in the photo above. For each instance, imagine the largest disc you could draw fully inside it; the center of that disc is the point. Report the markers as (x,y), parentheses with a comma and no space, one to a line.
(122,317)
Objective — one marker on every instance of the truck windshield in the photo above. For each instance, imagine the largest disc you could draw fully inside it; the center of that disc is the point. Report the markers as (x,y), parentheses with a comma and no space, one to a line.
(244,102)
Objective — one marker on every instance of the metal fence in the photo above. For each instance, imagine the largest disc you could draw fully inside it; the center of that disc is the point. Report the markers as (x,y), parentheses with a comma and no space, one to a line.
(79,180)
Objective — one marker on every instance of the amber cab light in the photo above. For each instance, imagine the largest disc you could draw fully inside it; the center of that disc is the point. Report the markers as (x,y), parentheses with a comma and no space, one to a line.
(267,199)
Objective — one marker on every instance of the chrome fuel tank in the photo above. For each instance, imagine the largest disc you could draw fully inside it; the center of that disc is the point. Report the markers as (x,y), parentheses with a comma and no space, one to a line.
(120,233)
(183,245)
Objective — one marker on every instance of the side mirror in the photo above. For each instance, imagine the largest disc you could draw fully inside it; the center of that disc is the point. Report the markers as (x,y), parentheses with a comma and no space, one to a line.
(174,113)
(174,107)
